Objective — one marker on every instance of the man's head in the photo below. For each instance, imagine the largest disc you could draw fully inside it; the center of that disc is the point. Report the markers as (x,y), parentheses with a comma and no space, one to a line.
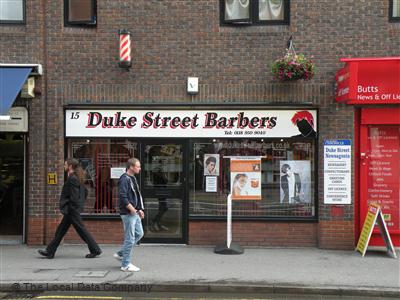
(210,163)
(71,164)
(133,166)
(286,169)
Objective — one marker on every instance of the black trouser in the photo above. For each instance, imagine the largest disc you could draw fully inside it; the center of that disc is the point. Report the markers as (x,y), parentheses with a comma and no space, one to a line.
(73,218)
(162,209)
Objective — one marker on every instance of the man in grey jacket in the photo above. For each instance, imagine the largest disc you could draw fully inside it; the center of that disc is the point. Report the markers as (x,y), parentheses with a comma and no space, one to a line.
(131,209)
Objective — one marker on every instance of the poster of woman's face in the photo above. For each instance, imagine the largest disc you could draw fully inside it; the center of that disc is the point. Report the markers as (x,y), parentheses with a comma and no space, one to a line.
(211,164)
(295,181)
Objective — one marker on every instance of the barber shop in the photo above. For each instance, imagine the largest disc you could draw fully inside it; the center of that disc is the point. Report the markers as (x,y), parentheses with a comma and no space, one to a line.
(192,159)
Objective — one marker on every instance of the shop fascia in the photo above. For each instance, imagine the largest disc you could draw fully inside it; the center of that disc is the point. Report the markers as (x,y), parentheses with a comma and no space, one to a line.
(189,123)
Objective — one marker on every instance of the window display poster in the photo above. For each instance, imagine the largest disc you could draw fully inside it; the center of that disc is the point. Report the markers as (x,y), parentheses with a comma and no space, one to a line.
(116,172)
(211,164)
(295,181)
(337,172)
(211,184)
(89,169)
(245,179)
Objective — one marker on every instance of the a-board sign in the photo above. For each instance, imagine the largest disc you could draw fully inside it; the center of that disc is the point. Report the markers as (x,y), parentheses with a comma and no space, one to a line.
(374,215)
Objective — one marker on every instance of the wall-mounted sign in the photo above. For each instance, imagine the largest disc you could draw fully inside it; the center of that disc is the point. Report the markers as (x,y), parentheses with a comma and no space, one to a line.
(191,123)
(18,121)
(337,172)
(369,81)
(52,178)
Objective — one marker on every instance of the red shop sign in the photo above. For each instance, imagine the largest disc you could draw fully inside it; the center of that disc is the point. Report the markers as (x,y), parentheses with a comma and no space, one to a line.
(369,81)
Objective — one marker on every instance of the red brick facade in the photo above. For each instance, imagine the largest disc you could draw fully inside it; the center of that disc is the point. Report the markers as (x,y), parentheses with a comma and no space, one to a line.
(172,40)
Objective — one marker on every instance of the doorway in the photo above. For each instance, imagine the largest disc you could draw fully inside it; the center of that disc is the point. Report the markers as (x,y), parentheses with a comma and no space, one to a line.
(164,189)
(379,168)
(12,155)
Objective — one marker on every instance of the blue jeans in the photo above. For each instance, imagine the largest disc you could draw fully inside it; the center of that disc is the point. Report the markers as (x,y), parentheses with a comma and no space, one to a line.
(133,232)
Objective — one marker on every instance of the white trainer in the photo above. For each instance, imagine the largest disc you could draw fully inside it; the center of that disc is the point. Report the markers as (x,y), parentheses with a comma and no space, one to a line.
(130,268)
(116,256)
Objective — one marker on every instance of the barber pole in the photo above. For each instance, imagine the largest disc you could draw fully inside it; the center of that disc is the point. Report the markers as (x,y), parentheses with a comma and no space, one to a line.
(124,49)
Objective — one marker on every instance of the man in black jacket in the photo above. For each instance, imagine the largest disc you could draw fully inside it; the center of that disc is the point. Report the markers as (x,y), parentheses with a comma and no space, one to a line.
(290,184)
(72,199)
(131,209)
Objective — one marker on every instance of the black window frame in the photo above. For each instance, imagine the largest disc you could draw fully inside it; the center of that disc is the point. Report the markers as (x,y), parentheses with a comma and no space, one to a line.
(254,16)
(17,22)
(92,23)
(391,18)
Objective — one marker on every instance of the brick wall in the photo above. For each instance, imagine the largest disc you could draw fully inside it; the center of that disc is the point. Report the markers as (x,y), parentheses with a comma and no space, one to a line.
(258,233)
(172,40)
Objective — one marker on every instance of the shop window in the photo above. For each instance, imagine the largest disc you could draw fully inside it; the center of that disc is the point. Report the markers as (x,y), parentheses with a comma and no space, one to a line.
(103,161)
(394,10)
(254,12)
(12,11)
(287,178)
(80,12)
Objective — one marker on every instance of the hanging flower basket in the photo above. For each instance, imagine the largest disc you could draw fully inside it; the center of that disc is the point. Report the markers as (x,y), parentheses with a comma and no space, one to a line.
(293,67)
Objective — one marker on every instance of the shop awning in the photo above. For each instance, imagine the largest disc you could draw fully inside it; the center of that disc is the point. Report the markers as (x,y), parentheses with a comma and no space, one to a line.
(369,81)
(11,82)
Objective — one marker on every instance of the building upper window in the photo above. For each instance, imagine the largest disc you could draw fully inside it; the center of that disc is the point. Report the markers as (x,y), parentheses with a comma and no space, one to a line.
(394,11)
(256,12)
(80,12)
(12,11)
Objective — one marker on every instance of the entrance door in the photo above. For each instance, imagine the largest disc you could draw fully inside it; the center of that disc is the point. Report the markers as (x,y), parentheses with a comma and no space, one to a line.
(379,169)
(11,185)
(164,191)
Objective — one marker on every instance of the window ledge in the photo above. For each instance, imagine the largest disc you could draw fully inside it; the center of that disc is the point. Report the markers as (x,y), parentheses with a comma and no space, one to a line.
(270,29)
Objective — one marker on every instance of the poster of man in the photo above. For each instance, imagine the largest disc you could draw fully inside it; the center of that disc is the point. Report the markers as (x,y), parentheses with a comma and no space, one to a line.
(211,164)
(295,181)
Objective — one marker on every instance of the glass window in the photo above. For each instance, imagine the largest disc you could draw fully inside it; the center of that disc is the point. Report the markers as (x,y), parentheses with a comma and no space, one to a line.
(255,11)
(236,10)
(164,166)
(80,12)
(287,177)
(100,160)
(394,12)
(12,11)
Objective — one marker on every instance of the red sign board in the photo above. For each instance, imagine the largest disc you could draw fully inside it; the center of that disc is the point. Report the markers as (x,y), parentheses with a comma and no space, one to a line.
(369,81)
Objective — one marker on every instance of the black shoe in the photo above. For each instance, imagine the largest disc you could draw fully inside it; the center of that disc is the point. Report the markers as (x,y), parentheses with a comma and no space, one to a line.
(93,255)
(46,254)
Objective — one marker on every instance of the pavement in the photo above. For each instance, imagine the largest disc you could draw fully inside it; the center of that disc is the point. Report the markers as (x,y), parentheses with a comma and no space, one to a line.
(180,268)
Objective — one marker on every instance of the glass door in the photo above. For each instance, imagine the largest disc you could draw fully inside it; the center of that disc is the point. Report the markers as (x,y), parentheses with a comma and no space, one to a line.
(12,184)
(164,191)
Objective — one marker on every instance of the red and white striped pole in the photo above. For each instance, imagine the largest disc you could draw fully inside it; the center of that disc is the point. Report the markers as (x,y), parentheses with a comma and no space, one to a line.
(124,49)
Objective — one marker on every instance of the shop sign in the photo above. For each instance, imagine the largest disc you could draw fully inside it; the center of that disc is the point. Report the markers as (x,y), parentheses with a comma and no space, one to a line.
(191,123)
(337,172)
(18,120)
(369,81)
(374,216)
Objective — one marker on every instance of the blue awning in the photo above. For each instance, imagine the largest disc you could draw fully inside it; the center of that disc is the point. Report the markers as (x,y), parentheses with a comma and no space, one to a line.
(11,82)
